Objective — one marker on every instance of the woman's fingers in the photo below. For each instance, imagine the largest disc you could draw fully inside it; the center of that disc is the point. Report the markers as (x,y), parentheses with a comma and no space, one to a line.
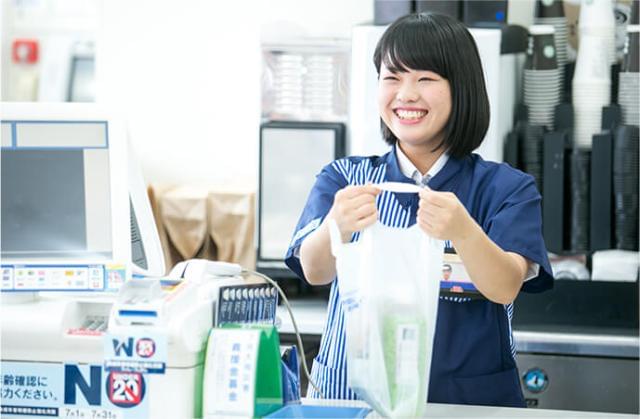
(360,200)
(355,208)
(365,211)
(439,199)
(356,190)
(366,222)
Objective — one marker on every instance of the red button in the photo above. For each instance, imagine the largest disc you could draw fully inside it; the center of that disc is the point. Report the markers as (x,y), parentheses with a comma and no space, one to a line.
(25,51)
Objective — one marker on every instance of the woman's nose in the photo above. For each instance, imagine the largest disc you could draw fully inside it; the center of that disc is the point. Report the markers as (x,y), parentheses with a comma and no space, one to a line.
(407,93)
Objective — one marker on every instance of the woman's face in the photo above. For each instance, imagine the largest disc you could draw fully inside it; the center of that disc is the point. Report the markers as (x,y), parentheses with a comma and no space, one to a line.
(415,105)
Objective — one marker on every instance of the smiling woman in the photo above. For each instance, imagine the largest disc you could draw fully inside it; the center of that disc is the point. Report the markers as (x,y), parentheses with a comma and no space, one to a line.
(430,59)
(434,110)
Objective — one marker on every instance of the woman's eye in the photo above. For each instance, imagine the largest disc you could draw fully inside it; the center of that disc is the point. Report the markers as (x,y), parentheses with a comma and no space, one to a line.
(426,79)
(390,78)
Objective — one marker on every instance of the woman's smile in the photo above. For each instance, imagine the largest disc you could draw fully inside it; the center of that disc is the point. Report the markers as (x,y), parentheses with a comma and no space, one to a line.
(410,115)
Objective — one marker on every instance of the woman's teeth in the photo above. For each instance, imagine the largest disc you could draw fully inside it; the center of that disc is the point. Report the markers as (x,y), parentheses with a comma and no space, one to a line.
(402,114)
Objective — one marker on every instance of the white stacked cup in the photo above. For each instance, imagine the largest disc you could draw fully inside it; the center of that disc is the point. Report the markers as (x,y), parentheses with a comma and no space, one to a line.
(591,89)
(541,77)
(551,12)
(597,19)
(629,84)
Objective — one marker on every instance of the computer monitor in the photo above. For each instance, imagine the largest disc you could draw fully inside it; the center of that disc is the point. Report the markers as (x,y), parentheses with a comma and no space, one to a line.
(147,255)
(71,201)
(292,153)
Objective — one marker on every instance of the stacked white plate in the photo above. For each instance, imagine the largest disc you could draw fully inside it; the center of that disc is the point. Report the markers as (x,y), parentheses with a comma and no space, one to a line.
(591,89)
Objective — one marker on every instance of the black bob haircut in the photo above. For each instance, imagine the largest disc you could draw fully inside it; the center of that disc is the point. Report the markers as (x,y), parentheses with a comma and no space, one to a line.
(439,43)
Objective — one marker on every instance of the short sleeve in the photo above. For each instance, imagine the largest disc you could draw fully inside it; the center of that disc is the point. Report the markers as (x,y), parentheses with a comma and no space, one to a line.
(516,227)
(319,202)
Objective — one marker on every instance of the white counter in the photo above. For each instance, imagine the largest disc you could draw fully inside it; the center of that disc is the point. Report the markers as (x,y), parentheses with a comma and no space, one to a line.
(435,410)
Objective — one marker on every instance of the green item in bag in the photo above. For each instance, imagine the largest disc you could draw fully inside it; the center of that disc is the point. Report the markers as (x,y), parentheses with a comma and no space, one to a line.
(404,340)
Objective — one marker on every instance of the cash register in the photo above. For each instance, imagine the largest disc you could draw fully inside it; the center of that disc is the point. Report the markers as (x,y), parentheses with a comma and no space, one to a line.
(91,325)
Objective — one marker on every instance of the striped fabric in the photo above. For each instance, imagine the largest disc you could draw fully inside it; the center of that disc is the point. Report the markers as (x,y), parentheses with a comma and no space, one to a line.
(508,308)
(329,370)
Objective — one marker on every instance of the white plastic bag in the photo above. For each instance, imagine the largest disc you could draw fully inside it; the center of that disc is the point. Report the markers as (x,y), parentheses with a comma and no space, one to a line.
(389,283)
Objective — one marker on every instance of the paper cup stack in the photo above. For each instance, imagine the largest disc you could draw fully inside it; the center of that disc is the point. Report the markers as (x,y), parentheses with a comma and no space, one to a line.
(591,89)
(580,177)
(551,12)
(541,76)
(625,187)
(629,84)
(597,19)
(531,151)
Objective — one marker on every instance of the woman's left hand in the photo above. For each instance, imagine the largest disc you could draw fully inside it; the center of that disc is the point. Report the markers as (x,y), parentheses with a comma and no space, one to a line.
(442,216)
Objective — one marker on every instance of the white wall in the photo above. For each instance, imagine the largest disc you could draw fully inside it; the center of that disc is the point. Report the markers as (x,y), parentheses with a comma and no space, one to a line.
(187,75)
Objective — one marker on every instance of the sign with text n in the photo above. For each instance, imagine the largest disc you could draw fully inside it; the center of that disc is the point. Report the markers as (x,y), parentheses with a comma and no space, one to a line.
(141,352)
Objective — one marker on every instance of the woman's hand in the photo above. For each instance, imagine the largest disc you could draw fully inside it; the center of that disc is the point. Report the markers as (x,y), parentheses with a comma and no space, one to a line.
(497,274)
(442,216)
(354,209)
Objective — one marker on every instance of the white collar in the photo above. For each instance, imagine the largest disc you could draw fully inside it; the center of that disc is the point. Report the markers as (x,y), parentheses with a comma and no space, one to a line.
(409,169)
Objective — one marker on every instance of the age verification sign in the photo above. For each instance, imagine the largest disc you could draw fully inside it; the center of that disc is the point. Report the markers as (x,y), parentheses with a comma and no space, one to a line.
(138,352)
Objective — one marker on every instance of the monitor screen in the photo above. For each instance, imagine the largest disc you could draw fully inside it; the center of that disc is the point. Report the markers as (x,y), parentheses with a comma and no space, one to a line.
(291,156)
(56,192)
(75,210)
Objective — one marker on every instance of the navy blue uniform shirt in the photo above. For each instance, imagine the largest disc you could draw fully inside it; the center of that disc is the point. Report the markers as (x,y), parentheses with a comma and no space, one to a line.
(474,353)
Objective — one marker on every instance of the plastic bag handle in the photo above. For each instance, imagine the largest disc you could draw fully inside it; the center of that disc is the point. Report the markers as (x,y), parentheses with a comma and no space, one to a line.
(399,187)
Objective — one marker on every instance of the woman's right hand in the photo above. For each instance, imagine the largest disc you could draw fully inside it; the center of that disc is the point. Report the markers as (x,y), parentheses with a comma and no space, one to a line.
(354,209)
